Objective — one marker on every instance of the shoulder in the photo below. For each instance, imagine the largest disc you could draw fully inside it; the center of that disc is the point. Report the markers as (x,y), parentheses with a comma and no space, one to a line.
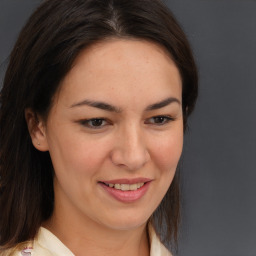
(29,248)
(20,249)
(156,247)
(44,244)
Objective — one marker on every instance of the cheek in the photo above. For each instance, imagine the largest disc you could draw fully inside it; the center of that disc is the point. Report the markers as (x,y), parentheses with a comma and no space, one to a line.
(167,152)
(77,156)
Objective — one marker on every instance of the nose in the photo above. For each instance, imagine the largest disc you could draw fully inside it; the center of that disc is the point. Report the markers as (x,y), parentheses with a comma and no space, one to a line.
(130,150)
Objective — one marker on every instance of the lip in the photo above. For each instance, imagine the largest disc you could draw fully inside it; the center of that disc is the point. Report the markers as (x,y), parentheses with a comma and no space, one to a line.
(126,196)
(126,181)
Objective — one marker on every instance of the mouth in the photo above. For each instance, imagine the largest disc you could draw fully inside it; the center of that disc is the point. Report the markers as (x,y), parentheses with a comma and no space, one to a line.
(126,190)
(125,187)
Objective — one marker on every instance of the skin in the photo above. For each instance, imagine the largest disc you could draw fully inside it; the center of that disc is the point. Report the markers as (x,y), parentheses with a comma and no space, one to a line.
(131,142)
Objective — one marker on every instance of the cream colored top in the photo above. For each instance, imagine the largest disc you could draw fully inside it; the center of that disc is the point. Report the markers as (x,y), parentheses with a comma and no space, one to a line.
(47,244)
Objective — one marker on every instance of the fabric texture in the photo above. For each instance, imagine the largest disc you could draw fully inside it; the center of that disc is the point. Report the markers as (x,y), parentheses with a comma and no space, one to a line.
(47,244)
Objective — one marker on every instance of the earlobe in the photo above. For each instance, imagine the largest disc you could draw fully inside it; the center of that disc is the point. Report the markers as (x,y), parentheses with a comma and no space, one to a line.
(37,131)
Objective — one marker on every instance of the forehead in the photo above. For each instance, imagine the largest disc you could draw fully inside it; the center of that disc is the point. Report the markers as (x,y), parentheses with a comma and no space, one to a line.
(122,67)
(134,52)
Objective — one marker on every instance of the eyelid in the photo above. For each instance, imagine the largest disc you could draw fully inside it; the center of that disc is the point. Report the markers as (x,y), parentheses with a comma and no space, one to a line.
(167,118)
(85,123)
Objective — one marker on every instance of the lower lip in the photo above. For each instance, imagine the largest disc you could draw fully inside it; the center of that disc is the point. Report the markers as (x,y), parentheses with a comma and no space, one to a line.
(126,196)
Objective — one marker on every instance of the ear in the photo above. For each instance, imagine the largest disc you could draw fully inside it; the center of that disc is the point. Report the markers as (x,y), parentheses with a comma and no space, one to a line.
(37,130)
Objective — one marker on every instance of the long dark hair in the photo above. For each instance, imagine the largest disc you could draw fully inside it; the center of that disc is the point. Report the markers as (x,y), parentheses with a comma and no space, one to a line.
(44,53)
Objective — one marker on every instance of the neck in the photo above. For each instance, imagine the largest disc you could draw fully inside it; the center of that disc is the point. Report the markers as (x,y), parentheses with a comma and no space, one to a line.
(95,239)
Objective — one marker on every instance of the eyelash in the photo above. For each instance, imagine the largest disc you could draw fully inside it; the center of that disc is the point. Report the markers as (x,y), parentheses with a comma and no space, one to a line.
(102,122)
(166,119)
(87,122)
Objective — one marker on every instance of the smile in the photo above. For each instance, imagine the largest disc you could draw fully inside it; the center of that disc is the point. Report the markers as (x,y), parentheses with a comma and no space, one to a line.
(126,187)
(126,190)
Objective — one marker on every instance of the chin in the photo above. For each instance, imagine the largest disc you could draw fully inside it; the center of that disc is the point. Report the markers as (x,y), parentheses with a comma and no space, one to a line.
(127,221)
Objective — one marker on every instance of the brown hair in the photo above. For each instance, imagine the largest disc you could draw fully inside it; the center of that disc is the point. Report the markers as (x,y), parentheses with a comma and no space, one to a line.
(47,46)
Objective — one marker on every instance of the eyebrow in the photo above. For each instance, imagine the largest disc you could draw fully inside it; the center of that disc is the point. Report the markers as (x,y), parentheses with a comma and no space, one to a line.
(162,104)
(111,108)
(98,104)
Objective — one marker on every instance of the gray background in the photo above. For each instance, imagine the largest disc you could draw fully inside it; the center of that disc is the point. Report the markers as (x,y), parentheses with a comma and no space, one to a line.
(219,160)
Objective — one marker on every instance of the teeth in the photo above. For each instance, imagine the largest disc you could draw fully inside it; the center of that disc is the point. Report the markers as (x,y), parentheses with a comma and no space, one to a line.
(141,184)
(117,186)
(126,187)
(133,187)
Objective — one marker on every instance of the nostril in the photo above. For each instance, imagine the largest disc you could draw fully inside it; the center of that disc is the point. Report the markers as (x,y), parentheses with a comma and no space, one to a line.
(130,160)
(130,151)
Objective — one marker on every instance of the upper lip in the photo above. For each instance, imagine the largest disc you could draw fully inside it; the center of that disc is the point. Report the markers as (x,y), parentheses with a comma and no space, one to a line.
(126,181)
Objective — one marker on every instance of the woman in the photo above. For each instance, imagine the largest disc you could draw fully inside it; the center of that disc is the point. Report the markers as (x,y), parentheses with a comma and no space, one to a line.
(93,110)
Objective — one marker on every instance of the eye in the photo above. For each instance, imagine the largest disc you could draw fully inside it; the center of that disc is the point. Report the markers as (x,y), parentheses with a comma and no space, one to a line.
(159,120)
(94,123)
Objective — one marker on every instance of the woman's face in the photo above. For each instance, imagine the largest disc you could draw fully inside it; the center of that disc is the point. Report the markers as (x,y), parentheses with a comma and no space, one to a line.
(115,133)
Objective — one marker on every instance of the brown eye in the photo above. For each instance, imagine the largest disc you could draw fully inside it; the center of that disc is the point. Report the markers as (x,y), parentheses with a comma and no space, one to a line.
(94,123)
(159,120)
